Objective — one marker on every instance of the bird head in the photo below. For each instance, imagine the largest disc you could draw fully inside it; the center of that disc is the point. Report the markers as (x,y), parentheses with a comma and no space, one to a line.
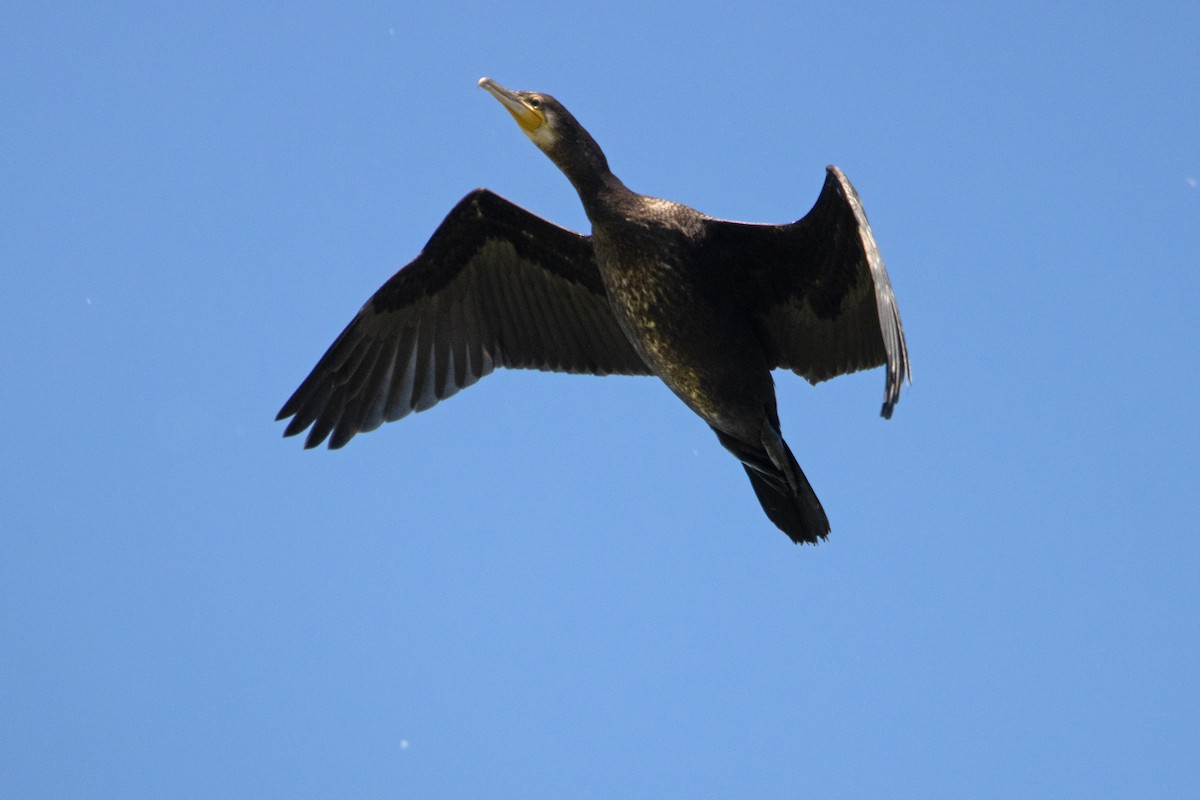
(556,133)
(540,116)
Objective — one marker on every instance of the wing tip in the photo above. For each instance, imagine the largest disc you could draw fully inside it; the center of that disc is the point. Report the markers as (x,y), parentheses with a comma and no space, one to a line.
(341,437)
(293,427)
(891,392)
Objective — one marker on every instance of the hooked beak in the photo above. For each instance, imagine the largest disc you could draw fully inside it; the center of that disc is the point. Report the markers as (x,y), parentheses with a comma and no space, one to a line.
(528,117)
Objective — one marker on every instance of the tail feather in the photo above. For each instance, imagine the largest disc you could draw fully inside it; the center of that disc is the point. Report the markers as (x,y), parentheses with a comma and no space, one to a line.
(786,495)
(798,514)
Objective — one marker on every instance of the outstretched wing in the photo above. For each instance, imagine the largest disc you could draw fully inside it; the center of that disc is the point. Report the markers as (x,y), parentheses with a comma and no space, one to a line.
(496,286)
(821,292)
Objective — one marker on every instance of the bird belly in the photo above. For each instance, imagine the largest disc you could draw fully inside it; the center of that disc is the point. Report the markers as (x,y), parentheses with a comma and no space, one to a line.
(708,360)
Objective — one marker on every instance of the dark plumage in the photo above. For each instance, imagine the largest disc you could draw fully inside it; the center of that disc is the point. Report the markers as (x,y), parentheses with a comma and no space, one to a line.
(708,305)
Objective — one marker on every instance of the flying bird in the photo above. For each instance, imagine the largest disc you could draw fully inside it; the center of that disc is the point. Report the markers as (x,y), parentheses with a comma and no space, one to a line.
(707,305)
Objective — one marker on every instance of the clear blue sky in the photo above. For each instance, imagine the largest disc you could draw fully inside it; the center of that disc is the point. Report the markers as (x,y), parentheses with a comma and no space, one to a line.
(555,586)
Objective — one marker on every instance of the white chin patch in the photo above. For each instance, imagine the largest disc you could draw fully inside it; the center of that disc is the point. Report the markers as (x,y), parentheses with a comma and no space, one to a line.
(543,136)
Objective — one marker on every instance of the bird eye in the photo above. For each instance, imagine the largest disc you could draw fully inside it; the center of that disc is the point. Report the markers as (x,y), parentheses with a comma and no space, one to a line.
(535,102)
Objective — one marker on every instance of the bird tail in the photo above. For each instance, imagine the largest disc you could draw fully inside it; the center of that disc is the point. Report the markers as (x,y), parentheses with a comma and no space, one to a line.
(785,493)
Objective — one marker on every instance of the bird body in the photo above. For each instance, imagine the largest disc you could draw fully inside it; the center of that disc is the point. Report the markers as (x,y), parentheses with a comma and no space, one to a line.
(708,306)
(665,309)
(677,299)
(680,312)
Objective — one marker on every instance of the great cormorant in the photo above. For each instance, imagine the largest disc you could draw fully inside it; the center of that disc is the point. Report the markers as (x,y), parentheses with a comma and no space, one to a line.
(708,305)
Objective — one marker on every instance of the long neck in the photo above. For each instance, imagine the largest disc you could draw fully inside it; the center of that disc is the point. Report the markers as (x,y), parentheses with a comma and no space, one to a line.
(584,164)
